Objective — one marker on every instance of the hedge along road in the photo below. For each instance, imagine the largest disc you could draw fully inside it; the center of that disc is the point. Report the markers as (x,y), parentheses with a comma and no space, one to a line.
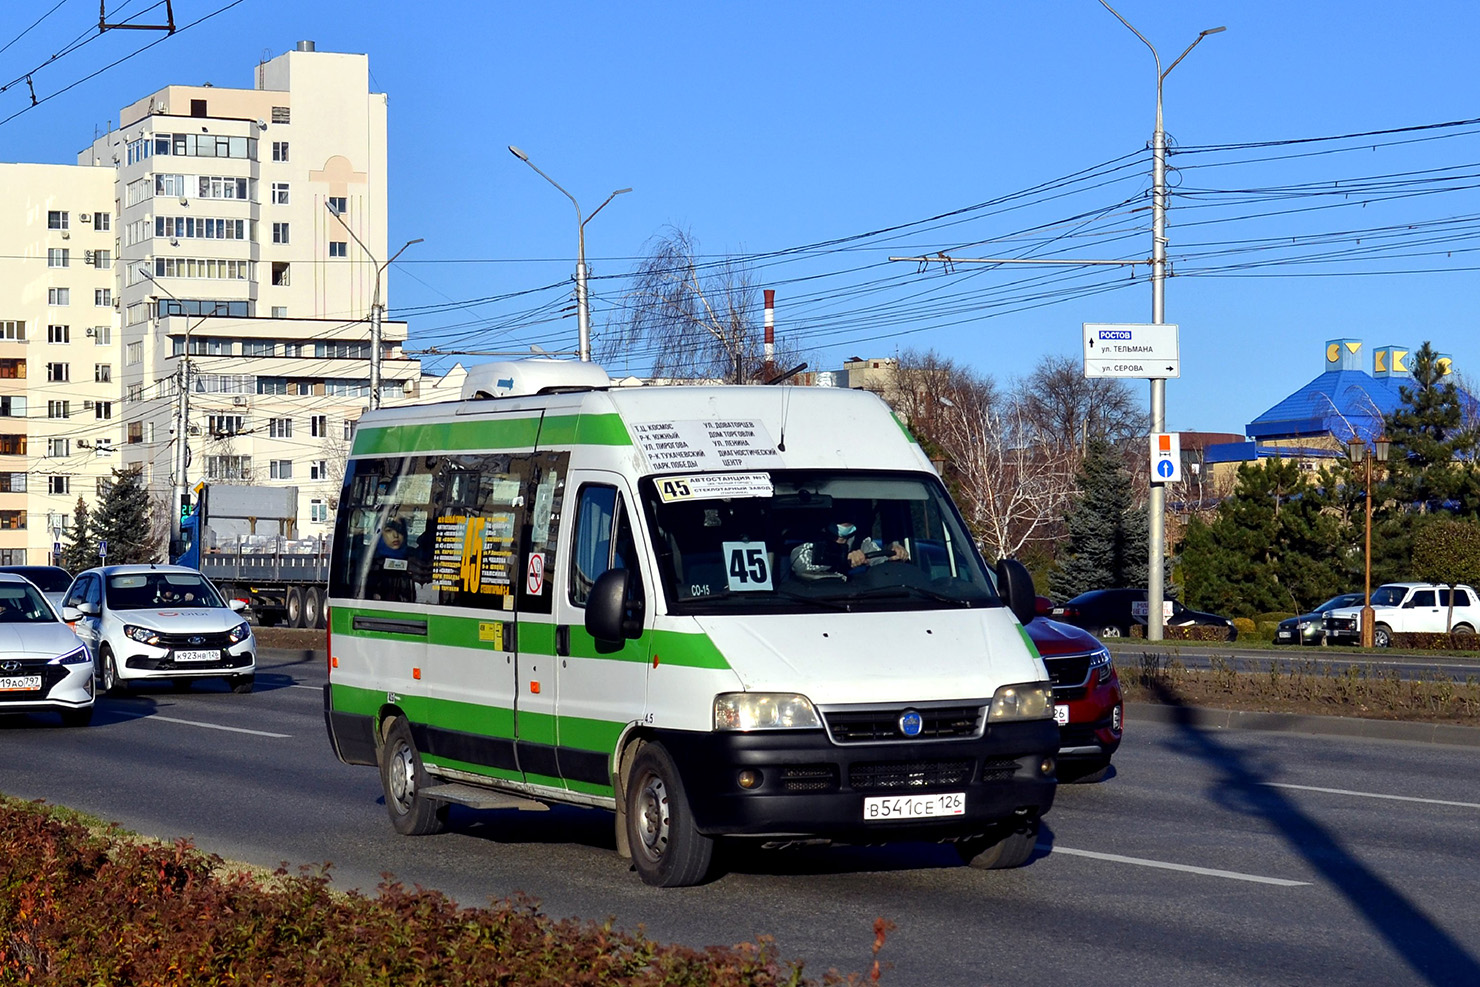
(1209,857)
(1199,654)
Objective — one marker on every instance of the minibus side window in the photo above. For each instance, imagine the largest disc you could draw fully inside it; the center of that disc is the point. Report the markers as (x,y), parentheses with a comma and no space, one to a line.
(603,541)
(384,539)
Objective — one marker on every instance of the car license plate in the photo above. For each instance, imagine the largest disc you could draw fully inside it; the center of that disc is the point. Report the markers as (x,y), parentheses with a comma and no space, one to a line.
(19,683)
(883,807)
(1061,715)
(1287,634)
(210,655)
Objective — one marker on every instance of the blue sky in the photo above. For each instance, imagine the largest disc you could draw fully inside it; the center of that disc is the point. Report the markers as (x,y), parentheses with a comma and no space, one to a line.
(791,134)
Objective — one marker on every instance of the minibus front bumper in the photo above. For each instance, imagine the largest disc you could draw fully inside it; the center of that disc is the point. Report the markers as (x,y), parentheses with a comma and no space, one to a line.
(799,784)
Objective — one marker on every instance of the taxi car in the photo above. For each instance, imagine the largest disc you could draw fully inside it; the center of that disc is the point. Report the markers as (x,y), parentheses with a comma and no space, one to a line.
(44,668)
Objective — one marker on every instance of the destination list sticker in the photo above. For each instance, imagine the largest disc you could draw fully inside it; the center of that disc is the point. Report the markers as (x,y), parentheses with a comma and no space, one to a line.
(713,444)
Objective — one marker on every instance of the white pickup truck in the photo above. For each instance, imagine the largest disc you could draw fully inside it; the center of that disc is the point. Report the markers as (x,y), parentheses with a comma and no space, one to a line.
(1406,608)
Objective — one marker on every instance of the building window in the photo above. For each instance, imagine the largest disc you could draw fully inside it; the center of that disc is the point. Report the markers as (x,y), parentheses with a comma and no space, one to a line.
(16,483)
(279,150)
(279,232)
(59,296)
(338,204)
(58,372)
(133,354)
(318,426)
(55,448)
(280,193)
(102,297)
(102,410)
(134,393)
(59,484)
(56,220)
(12,369)
(349,430)
(58,257)
(12,445)
(102,486)
(58,334)
(102,373)
(318,510)
(228,467)
(13,406)
(280,428)
(281,114)
(59,409)
(281,312)
(12,329)
(102,221)
(282,275)
(218,187)
(258,347)
(338,248)
(135,432)
(280,469)
(102,335)
(222,425)
(13,520)
(318,470)
(204,267)
(102,259)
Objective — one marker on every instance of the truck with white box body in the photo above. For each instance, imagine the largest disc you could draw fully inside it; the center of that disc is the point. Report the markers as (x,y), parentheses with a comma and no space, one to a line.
(723,613)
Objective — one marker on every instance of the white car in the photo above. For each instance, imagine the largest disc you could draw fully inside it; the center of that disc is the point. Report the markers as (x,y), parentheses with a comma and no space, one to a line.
(1406,608)
(51,580)
(43,666)
(146,623)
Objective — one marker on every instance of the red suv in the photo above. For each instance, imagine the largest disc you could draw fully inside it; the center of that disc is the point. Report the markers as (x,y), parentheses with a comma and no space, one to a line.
(1086,693)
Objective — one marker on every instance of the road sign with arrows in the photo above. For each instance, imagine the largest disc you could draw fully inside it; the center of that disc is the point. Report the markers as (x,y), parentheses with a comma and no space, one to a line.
(1137,351)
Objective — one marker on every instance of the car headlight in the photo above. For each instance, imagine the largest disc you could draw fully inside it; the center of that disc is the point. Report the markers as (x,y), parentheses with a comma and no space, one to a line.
(239,633)
(71,658)
(1100,661)
(144,635)
(764,711)
(1029,701)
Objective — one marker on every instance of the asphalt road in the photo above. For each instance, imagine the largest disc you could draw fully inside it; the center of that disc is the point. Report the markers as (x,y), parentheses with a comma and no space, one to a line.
(1209,857)
(1256,658)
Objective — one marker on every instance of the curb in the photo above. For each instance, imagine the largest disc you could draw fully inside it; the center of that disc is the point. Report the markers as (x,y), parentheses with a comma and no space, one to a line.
(1205,718)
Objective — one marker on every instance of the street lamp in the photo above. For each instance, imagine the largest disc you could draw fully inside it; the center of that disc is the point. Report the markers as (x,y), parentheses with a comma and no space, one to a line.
(182,450)
(376,309)
(583,308)
(1156,537)
(1357,453)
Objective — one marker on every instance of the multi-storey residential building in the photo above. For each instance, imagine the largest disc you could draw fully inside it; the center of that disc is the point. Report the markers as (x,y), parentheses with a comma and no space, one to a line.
(61,423)
(250,235)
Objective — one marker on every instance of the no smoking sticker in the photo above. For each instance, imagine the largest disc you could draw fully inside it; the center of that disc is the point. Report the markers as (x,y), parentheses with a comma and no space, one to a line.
(534,580)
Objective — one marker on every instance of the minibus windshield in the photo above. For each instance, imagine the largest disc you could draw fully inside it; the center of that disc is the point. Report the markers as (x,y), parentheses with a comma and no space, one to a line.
(795,541)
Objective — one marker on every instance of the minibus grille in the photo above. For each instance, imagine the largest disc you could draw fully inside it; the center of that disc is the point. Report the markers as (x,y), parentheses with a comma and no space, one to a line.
(810,778)
(864,726)
(896,776)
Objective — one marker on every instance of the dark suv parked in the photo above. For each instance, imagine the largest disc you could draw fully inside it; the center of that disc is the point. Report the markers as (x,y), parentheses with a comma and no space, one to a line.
(1109,613)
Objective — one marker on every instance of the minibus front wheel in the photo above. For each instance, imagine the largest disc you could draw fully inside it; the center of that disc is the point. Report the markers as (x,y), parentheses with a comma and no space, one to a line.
(403,777)
(667,850)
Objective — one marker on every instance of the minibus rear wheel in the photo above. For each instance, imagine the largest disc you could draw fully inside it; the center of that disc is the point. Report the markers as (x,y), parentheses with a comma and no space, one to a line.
(403,777)
(667,851)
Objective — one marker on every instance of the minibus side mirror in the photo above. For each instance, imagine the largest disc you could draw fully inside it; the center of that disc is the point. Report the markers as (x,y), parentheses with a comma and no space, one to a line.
(606,608)
(1017,590)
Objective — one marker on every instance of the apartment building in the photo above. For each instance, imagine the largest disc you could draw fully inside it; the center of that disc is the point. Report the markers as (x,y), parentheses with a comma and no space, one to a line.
(249,231)
(61,420)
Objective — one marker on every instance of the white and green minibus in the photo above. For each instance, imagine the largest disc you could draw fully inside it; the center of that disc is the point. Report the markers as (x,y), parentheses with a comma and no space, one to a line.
(723,613)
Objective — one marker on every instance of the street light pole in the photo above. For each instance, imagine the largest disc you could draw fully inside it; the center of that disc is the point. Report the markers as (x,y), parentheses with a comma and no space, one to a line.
(583,307)
(1156,536)
(377,311)
(1357,453)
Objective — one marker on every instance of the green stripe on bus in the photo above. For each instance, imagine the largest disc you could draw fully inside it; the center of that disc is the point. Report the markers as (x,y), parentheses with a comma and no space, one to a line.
(599,736)
(492,434)
(534,637)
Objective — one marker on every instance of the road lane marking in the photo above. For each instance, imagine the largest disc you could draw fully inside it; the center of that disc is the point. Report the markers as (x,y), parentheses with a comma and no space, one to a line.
(196,723)
(311,688)
(1370,795)
(1163,865)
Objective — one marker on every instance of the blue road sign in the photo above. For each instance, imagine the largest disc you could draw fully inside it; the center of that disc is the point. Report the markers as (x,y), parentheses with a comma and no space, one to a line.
(1164,468)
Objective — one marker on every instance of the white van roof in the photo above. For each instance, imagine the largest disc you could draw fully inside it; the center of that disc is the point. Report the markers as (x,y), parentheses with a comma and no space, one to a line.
(517,378)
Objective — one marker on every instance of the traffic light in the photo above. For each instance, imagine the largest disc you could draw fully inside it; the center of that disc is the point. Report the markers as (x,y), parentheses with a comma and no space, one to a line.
(185,509)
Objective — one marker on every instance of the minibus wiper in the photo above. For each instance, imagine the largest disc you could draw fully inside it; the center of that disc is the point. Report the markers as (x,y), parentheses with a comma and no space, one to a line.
(884,592)
(829,602)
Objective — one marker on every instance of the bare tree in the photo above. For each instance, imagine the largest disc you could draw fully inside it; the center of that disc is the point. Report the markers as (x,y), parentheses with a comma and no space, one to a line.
(1068,408)
(701,321)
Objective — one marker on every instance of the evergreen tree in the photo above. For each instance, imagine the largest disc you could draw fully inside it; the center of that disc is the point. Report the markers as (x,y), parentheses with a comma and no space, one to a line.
(1268,547)
(80,545)
(1434,442)
(125,520)
(1107,534)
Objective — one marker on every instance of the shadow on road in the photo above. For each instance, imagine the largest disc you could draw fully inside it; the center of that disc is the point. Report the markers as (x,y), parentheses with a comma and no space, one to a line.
(1410,934)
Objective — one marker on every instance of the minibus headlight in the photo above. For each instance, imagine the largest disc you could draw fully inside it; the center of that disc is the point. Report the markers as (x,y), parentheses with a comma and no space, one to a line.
(1030,701)
(764,711)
